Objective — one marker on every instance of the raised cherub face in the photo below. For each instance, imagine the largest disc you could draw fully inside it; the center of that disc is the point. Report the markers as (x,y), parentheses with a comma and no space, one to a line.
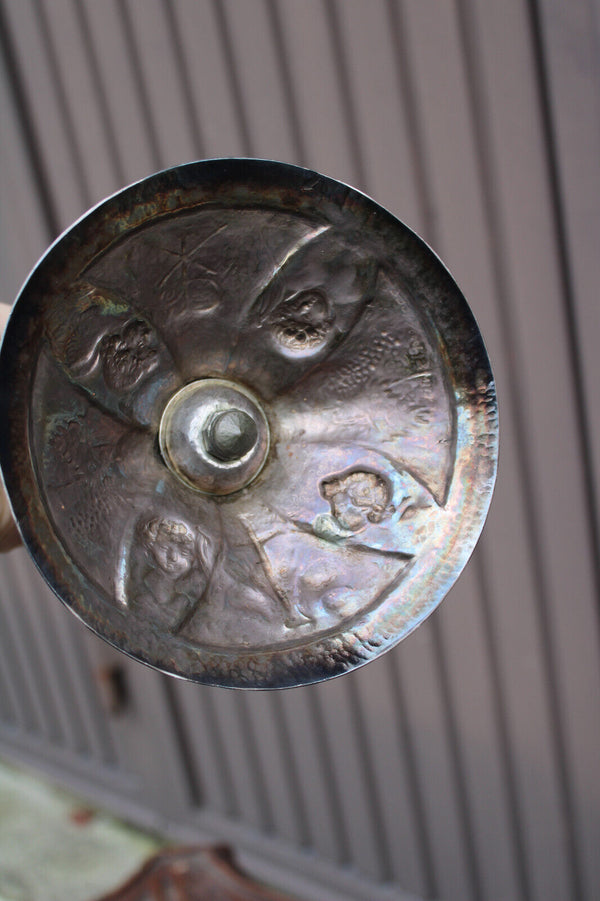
(171,545)
(302,324)
(128,355)
(358,499)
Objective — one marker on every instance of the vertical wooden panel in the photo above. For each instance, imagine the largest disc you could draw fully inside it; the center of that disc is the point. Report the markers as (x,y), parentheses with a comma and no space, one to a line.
(397,828)
(47,113)
(418,671)
(486,769)
(25,233)
(316,83)
(84,688)
(17,685)
(61,688)
(80,114)
(277,776)
(118,83)
(255,69)
(164,95)
(350,772)
(55,687)
(314,771)
(239,752)
(569,631)
(207,750)
(382,127)
(211,80)
(570,65)
(27,640)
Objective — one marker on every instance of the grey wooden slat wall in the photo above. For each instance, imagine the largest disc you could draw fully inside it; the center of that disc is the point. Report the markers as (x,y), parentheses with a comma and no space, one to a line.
(463,765)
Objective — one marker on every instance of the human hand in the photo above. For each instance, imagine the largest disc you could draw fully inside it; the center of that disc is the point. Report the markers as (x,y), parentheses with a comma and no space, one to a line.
(9,534)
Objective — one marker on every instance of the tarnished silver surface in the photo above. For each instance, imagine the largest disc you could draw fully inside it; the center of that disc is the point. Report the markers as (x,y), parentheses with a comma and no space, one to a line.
(252,425)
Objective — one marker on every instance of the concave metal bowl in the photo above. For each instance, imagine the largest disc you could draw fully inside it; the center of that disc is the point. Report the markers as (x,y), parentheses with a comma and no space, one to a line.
(250,424)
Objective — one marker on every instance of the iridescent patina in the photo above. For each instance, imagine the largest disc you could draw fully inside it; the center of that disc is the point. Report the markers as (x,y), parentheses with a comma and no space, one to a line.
(251,428)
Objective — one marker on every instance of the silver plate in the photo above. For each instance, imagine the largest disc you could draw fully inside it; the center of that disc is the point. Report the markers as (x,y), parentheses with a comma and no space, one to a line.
(251,431)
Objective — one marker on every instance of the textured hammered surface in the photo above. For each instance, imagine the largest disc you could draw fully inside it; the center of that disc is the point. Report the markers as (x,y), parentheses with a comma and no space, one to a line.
(376,393)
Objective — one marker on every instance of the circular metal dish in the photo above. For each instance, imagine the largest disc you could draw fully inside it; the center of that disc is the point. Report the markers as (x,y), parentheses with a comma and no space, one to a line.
(250,424)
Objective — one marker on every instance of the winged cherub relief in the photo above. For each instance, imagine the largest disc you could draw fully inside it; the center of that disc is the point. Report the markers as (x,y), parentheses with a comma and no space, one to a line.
(319,326)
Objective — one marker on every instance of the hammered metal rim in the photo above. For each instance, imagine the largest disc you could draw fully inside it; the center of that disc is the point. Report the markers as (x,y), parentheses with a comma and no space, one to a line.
(243,183)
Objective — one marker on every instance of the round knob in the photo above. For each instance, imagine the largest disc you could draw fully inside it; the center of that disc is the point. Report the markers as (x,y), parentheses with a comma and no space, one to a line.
(214,436)
(230,435)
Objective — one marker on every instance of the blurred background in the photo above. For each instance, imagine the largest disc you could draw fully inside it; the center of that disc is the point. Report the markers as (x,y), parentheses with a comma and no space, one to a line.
(463,765)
